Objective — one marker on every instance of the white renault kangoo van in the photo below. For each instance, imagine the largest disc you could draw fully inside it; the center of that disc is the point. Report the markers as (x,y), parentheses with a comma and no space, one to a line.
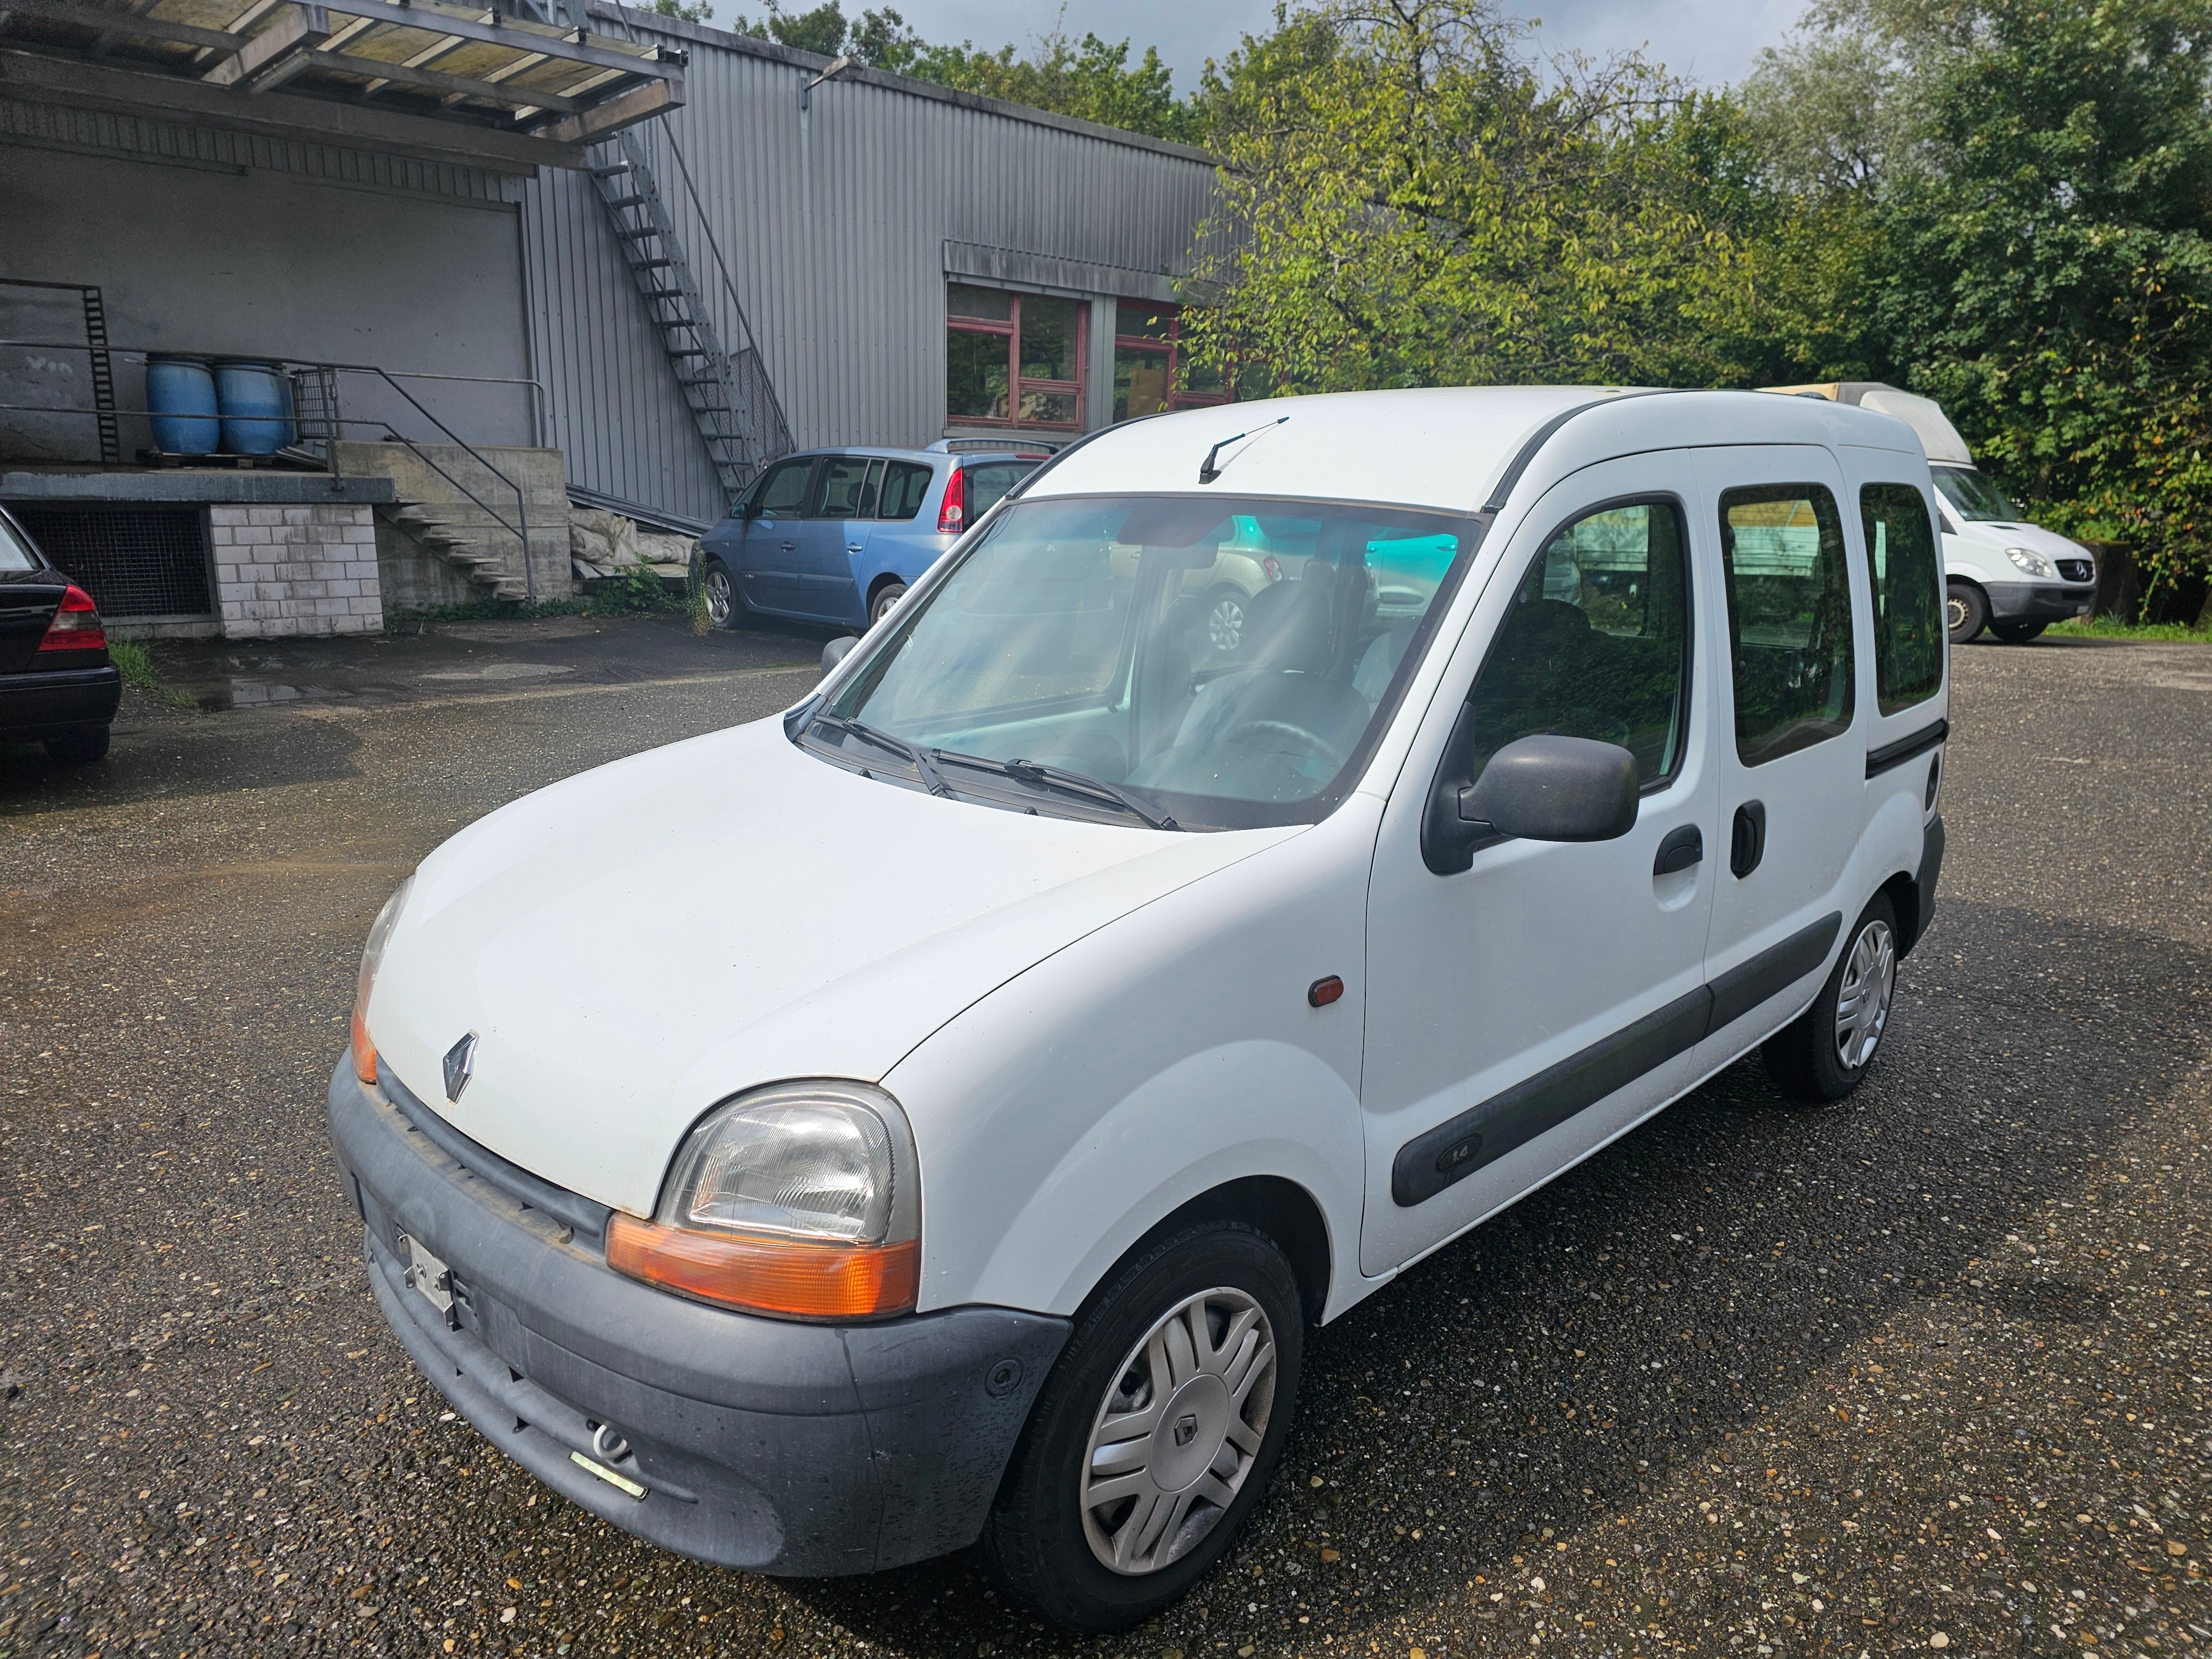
(1016,1046)
(2001,573)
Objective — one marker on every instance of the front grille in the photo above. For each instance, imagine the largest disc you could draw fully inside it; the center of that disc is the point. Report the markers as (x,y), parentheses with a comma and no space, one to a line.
(2077,570)
(136,562)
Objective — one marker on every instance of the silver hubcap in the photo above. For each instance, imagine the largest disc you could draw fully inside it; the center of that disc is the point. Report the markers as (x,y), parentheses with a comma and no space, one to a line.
(1863,1003)
(1177,1432)
(718,598)
(1224,624)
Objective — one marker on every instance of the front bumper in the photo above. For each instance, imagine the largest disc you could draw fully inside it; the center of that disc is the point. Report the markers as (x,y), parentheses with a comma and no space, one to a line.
(762,1443)
(53,703)
(2039,601)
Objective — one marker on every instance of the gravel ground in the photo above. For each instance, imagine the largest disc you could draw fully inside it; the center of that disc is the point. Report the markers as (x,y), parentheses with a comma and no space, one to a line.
(1927,1370)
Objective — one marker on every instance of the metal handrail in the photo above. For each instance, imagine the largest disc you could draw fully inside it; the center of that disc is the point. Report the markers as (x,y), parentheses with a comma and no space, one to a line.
(520,531)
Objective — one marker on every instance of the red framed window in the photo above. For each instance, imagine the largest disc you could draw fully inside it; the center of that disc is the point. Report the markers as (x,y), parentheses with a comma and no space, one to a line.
(1151,373)
(1014,360)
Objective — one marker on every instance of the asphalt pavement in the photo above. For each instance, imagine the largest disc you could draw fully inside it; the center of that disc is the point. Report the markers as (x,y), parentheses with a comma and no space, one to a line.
(1926,1370)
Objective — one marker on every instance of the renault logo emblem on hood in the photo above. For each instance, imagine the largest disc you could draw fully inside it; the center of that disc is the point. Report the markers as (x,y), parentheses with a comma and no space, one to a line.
(460,1066)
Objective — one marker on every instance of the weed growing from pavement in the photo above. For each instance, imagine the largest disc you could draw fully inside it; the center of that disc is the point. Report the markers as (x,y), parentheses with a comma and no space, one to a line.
(136,662)
(638,591)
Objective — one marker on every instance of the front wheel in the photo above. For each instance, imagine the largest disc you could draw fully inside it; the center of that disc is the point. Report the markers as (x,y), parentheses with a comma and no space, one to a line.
(2017,632)
(1155,1434)
(1966,611)
(722,593)
(1823,1054)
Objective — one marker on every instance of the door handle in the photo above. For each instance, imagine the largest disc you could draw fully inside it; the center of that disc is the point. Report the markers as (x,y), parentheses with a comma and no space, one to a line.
(786,547)
(856,547)
(1748,838)
(1678,849)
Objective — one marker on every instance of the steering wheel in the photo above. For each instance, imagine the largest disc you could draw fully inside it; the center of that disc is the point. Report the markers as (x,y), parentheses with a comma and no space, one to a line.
(1311,741)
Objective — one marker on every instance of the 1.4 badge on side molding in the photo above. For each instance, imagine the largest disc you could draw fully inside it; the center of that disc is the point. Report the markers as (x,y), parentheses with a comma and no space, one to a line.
(460,1066)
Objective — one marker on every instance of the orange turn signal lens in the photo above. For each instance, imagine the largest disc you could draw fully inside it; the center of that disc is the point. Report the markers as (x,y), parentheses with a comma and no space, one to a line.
(364,1051)
(793,1278)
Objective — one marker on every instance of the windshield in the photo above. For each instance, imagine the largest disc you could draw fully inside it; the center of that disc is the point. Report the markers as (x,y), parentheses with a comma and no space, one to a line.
(1217,662)
(1971,495)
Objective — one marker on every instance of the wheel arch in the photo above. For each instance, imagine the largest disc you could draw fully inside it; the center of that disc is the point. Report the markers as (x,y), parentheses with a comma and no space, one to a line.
(1274,1205)
(1903,891)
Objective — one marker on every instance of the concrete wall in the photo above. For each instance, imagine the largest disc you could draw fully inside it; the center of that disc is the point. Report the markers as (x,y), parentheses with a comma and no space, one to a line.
(242,257)
(415,575)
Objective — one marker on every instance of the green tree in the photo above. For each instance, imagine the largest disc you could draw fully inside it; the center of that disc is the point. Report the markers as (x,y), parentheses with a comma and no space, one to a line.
(1410,198)
(1091,79)
(2033,181)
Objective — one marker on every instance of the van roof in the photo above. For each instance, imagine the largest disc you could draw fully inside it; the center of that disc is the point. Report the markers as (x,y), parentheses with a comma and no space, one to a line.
(1449,448)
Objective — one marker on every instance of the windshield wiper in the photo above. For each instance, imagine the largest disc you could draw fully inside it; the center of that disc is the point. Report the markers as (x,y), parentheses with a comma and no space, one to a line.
(1038,775)
(931,779)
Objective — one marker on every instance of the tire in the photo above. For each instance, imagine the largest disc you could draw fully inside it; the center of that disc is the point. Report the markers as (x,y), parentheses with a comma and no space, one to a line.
(1227,611)
(2017,632)
(79,748)
(886,596)
(1965,611)
(1824,1053)
(1040,1544)
(721,591)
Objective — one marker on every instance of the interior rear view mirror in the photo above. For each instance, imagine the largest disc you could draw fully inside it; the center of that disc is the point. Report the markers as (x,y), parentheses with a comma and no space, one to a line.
(1539,788)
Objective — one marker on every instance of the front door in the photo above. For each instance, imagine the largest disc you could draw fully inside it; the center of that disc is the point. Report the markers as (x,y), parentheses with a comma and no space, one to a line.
(839,515)
(1515,1008)
(1793,807)
(768,554)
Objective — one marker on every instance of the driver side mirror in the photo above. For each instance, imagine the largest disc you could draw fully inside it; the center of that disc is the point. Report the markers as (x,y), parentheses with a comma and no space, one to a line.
(1539,788)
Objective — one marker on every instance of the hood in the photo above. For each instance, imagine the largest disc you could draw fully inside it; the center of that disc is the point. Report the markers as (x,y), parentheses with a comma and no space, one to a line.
(638,943)
(2001,534)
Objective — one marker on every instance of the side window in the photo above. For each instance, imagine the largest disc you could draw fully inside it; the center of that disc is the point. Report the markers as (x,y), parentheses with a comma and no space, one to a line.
(782,492)
(1597,643)
(1908,595)
(905,486)
(1790,617)
(987,485)
(838,489)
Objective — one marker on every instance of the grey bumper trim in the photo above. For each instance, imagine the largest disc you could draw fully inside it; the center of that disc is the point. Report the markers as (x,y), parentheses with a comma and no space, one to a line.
(2035,602)
(763,1443)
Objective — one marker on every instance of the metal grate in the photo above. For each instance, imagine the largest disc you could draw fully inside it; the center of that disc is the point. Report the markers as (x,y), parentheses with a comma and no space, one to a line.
(136,562)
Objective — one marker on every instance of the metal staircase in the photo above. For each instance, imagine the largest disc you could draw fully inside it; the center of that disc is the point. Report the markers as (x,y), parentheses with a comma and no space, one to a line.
(733,404)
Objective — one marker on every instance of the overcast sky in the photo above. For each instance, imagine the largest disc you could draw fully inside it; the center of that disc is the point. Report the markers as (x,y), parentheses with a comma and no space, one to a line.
(1708,41)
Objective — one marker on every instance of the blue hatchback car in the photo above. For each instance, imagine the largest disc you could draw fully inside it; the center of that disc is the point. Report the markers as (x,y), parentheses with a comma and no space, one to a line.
(836,535)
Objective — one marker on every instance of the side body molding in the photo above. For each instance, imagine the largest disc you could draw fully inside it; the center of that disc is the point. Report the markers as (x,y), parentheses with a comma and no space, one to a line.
(1457,1148)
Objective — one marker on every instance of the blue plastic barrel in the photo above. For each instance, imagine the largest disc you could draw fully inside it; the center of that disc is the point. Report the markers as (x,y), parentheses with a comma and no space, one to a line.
(256,399)
(180,394)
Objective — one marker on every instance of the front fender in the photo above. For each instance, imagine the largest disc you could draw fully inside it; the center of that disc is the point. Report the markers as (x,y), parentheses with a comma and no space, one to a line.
(1064,1116)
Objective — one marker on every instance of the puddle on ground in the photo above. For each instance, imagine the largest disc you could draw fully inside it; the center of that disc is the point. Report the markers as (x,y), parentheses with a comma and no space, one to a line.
(505,670)
(512,633)
(237,692)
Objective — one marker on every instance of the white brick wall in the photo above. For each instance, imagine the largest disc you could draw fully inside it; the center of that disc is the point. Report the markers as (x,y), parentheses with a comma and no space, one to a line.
(284,570)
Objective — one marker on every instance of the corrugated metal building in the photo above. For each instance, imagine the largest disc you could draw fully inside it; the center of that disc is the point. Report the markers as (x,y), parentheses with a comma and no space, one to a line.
(846,223)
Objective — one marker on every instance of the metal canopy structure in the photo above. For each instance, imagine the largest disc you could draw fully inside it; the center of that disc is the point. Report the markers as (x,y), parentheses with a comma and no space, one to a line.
(444,82)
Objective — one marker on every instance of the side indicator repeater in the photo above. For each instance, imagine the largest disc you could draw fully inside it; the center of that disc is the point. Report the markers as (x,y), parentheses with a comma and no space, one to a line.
(1323,992)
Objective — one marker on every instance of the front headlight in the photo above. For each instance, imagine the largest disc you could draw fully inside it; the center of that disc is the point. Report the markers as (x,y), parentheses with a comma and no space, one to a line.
(799,1200)
(372,956)
(2034,563)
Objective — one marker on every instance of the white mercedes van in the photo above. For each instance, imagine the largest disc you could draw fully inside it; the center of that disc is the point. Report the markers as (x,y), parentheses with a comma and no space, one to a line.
(2001,573)
(1023,1041)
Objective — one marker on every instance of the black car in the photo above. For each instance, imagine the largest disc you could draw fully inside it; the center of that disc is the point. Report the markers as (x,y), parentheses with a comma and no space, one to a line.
(58,686)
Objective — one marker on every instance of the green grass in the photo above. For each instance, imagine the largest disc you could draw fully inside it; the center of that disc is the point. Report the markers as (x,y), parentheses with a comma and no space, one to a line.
(136,661)
(2110,628)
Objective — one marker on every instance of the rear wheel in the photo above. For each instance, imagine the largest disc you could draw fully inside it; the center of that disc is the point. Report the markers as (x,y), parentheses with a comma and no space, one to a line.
(1155,1433)
(1824,1053)
(1966,611)
(722,593)
(79,748)
(886,596)
(2017,632)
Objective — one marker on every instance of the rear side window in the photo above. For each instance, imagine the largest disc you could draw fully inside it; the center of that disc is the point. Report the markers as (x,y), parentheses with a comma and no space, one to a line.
(1790,617)
(906,485)
(14,554)
(1908,595)
(987,485)
(1597,644)
(841,487)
